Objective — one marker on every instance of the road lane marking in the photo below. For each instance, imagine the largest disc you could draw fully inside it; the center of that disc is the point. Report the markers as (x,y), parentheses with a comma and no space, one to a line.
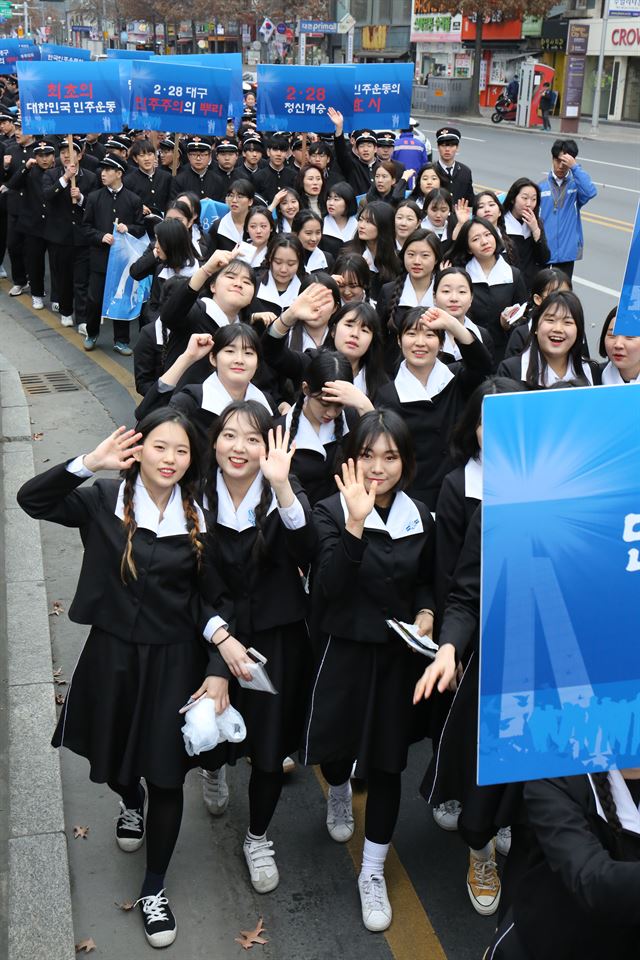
(410,925)
(607,163)
(598,286)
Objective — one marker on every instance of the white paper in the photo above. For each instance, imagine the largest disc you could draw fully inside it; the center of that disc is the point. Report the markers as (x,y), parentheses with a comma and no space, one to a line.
(409,633)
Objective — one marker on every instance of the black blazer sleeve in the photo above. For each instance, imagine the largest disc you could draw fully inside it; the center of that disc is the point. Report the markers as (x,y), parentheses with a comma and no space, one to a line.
(145,265)
(339,556)
(476,365)
(54,496)
(287,362)
(462,613)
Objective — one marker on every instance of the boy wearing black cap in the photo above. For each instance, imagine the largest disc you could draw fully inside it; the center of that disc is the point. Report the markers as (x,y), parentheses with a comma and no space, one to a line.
(252,155)
(360,167)
(454,176)
(276,174)
(18,151)
(198,176)
(31,215)
(227,153)
(386,142)
(112,204)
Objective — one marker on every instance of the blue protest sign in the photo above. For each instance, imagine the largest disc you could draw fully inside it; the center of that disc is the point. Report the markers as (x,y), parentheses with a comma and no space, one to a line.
(130,54)
(28,50)
(70,97)
(124,69)
(382,94)
(124,296)
(210,211)
(10,53)
(627,322)
(197,102)
(560,659)
(297,98)
(51,51)
(220,61)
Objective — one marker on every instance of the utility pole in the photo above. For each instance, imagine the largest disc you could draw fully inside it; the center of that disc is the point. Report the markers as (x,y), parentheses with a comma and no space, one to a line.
(595,116)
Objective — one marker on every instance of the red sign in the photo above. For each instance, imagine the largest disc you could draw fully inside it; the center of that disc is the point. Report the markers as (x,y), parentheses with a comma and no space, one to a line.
(495,27)
(629,37)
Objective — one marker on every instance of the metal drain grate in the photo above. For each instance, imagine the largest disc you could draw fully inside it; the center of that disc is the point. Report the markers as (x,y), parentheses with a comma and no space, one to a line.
(59,381)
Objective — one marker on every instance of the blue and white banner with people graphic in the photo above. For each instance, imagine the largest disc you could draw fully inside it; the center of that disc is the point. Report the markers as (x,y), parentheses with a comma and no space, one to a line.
(194,99)
(70,97)
(124,296)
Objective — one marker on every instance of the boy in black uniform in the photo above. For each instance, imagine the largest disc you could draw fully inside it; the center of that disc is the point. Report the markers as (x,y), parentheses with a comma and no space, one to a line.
(155,186)
(454,176)
(252,155)
(360,167)
(276,174)
(113,204)
(19,152)
(31,216)
(198,177)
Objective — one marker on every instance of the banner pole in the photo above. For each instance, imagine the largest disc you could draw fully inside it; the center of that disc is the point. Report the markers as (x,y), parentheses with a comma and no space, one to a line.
(72,154)
(176,154)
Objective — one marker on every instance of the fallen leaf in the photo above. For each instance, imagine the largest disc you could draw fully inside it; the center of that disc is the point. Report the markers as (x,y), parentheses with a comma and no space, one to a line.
(57,672)
(86,946)
(126,906)
(248,938)
(56,609)
(46,459)
(59,699)
(37,436)
(80,833)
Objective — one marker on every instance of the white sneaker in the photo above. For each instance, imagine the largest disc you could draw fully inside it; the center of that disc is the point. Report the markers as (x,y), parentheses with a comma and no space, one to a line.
(447,814)
(82,329)
(55,306)
(215,791)
(340,823)
(160,927)
(3,273)
(37,303)
(66,321)
(503,841)
(17,290)
(288,765)
(376,909)
(261,860)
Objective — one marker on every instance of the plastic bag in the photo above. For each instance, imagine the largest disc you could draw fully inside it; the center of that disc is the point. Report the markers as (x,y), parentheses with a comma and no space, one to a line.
(203,730)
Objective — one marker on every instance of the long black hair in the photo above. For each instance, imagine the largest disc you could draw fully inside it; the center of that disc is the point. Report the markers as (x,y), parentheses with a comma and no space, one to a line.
(326,365)
(419,235)
(459,253)
(381,214)
(175,240)
(326,280)
(304,197)
(373,360)
(285,241)
(566,302)
(377,423)
(514,190)
(500,226)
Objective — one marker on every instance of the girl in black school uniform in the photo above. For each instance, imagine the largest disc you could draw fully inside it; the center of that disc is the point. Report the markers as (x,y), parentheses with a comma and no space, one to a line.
(150,347)
(259,227)
(375,241)
(311,188)
(339,225)
(199,238)
(453,292)
(406,221)
(389,183)
(263,538)
(622,352)
(487,205)
(427,179)
(437,213)
(352,274)
(546,281)
(583,872)
(227,232)
(554,349)
(429,394)
(146,653)
(281,275)
(525,228)
(360,706)
(284,206)
(496,284)
(307,226)
(171,254)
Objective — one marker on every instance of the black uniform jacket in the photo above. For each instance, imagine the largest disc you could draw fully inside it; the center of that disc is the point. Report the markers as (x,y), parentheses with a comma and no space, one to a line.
(584,879)
(268,181)
(32,211)
(460,186)
(65,223)
(102,209)
(356,172)
(462,612)
(156,191)
(454,511)
(208,185)
(150,609)
(358,584)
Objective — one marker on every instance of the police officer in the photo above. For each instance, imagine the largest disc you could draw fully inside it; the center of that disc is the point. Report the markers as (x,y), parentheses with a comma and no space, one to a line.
(454,176)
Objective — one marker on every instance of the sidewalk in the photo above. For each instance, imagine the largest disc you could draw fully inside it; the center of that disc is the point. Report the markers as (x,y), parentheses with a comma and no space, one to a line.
(607,132)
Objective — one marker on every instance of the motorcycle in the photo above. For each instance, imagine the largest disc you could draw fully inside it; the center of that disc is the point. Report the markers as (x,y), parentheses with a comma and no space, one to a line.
(505,109)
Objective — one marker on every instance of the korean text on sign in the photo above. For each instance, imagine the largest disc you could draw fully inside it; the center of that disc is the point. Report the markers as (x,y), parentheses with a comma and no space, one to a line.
(59,97)
(198,103)
(298,98)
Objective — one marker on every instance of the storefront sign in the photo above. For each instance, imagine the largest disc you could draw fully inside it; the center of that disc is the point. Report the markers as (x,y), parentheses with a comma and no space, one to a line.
(626,37)
(577,43)
(624,8)
(554,35)
(494,27)
(429,26)
(578,39)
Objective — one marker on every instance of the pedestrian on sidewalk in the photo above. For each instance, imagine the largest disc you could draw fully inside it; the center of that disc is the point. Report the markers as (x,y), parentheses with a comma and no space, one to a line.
(146,653)
(563,194)
(547,103)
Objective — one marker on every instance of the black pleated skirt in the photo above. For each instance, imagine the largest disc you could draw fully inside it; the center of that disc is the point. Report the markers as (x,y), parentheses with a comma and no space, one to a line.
(121,709)
(361,705)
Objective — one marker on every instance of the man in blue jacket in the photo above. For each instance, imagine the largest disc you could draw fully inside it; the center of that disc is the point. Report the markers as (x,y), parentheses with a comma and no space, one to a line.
(563,194)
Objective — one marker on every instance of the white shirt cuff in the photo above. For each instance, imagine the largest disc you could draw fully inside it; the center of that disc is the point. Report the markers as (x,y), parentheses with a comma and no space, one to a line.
(165,387)
(214,624)
(272,332)
(293,517)
(63,182)
(78,468)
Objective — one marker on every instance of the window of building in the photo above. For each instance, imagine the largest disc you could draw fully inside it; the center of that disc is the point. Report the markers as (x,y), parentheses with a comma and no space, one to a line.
(360,10)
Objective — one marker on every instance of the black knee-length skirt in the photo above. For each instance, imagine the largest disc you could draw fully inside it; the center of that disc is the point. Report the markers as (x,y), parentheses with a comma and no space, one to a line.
(121,709)
(361,705)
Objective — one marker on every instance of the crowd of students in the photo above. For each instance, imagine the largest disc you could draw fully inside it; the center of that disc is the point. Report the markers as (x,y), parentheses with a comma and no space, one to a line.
(306,465)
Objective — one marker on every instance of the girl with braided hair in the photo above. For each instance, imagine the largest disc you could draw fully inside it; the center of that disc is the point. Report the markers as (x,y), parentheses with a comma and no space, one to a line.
(152,638)
(263,538)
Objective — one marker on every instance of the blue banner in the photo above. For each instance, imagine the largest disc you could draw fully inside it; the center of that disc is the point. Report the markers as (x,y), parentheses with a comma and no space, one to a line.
(70,97)
(382,95)
(13,50)
(124,69)
(297,98)
(627,322)
(191,100)
(219,61)
(560,658)
(51,51)
(129,54)
(210,211)
(124,296)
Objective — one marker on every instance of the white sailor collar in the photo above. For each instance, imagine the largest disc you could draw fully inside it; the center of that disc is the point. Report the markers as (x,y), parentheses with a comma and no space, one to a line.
(215,397)
(308,343)
(368,256)
(317,261)
(360,380)
(440,232)
(514,227)
(409,388)
(611,376)
(147,514)
(331,229)
(159,332)
(628,813)
(228,229)
(450,346)
(245,516)
(550,376)
(473,478)
(306,437)
(269,292)
(215,312)
(409,297)
(404,518)
(187,270)
(257,258)
(501,272)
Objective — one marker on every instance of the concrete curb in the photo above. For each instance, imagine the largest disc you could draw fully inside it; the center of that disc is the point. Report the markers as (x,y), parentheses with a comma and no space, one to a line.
(39,910)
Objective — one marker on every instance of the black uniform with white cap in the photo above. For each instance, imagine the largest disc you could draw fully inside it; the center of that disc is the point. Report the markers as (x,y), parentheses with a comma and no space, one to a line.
(358,173)
(31,216)
(456,178)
